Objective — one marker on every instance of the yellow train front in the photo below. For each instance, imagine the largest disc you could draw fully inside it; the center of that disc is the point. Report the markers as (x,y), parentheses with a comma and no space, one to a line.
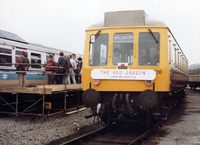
(132,65)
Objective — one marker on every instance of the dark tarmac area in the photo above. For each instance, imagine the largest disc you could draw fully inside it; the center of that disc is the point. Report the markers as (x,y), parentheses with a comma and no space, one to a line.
(183,126)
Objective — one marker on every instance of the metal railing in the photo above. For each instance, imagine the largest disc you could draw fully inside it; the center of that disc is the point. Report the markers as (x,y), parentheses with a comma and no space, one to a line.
(48,73)
(45,73)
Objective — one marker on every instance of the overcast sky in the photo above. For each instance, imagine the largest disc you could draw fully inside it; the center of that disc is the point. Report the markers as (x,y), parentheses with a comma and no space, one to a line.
(61,24)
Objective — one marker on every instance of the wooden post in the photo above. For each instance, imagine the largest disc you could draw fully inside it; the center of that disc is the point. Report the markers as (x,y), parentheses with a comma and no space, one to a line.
(78,90)
(43,100)
(65,95)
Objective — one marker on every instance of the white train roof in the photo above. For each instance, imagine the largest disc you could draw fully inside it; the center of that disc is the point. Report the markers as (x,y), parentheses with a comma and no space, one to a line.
(11,39)
(193,66)
(11,36)
(127,18)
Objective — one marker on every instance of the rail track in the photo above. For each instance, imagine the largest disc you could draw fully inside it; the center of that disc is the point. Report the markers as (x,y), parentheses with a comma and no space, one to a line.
(116,134)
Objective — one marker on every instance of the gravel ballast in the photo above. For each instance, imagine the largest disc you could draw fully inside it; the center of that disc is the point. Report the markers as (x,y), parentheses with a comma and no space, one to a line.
(23,130)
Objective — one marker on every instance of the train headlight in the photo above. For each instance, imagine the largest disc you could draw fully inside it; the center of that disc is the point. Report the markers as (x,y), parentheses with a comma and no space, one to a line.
(148,82)
(96,82)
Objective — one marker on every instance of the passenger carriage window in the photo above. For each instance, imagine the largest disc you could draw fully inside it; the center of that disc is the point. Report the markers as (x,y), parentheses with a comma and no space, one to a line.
(36,58)
(18,54)
(5,50)
(5,57)
(123,48)
(98,50)
(149,49)
(47,57)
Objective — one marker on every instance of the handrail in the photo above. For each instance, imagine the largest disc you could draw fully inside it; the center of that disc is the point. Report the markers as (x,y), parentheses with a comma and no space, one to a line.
(44,72)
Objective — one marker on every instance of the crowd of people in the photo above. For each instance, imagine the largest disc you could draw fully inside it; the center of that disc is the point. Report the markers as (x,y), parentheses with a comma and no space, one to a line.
(66,70)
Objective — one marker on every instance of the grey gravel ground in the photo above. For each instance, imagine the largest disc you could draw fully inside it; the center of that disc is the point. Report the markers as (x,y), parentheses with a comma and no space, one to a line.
(32,131)
(183,127)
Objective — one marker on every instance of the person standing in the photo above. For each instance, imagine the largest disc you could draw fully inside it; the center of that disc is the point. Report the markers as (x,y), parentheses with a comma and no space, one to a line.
(80,63)
(62,62)
(74,57)
(79,69)
(51,70)
(73,66)
(68,70)
(22,67)
(75,69)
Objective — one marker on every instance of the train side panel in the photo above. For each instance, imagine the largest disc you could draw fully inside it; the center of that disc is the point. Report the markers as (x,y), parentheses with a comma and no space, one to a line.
(194,78)
(179,77)
(10,51)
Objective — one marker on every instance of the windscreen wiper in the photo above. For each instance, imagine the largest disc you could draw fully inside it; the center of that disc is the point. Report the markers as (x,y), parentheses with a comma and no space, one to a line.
(153,36)
(97,34)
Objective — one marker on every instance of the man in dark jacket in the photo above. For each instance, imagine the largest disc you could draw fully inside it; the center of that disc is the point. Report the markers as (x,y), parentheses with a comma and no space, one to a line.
(21,68)
(79,69)
(51,70)
(62,62)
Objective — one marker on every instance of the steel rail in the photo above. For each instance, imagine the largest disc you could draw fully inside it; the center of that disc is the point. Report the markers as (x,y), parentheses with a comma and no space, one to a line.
(83,136)
(93,133)
(145,134)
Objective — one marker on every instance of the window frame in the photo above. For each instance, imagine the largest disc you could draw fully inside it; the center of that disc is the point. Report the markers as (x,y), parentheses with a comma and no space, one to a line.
(19,49)
(159,46)
(33,66)
(133,35)
(7,55)
(91,49)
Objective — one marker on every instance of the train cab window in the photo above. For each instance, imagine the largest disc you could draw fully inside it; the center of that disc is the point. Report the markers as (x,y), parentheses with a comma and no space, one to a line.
(36,59)
(123,48)
(5,57)
(149,49)
(98,50)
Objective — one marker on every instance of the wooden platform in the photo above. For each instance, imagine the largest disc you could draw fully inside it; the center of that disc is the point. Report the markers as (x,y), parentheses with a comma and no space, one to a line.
(26,90)
(55,88)
(42,91)
(39,89)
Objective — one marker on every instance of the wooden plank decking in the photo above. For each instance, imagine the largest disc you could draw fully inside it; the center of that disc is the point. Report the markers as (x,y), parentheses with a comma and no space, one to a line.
(56,88)
(25,90)
(39,89)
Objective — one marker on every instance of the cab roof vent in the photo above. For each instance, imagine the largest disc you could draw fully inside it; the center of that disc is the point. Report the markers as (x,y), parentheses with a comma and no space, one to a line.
(124,18)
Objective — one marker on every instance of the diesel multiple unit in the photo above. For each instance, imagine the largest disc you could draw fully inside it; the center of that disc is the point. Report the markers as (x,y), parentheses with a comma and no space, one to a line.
(132,65)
